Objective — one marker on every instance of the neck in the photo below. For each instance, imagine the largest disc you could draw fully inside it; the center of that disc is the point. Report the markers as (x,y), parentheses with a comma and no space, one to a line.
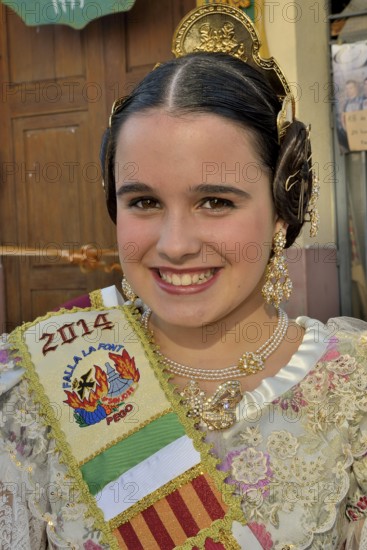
(223,341)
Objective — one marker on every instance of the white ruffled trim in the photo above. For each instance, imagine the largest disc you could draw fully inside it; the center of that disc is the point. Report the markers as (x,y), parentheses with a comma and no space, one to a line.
(312,348)
(111,297)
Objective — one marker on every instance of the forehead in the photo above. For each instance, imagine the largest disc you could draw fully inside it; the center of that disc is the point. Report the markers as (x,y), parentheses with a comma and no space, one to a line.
(204,135)
(184,151)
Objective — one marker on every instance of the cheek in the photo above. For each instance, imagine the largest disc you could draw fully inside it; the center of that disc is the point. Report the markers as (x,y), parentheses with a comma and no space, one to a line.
(135,237)
(128,239)
(248,244)
(253,235)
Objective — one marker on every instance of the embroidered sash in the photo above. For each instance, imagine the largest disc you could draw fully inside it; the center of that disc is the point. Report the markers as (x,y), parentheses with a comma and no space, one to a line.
(142,468)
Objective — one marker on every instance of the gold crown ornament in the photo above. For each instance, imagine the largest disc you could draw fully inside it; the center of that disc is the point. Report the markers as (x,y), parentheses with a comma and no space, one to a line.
(226,29)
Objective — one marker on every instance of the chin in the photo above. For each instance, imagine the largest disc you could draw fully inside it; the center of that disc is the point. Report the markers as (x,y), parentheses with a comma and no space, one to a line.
(185,319)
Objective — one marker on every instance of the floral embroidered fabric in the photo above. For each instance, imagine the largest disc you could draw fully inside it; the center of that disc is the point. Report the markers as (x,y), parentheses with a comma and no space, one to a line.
(301,464)
(297,456)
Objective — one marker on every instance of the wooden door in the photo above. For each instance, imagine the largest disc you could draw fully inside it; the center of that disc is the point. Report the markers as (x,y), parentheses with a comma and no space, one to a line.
(57,88)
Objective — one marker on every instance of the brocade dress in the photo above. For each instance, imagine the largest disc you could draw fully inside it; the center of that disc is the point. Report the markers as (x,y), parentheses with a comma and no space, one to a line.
(297,455)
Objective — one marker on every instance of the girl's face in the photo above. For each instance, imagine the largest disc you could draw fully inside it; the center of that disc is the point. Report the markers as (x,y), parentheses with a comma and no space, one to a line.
(195,217)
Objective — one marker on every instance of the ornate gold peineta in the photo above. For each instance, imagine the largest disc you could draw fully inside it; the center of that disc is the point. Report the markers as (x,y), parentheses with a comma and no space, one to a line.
(223,28)
(285,116)
(220,40)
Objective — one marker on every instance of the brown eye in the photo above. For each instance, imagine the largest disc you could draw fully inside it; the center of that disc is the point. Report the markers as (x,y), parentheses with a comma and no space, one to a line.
(144,203)
(216,203)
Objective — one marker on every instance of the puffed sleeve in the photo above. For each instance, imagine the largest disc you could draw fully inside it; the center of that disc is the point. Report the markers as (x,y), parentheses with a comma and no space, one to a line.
(23,468)
(40,504)
(356,509)
(356,506)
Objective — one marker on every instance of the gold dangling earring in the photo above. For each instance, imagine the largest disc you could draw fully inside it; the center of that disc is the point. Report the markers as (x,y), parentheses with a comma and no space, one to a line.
(312,209)
(278,286)
(128,291)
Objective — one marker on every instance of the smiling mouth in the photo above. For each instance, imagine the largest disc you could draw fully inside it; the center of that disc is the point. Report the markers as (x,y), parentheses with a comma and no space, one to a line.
(186,279)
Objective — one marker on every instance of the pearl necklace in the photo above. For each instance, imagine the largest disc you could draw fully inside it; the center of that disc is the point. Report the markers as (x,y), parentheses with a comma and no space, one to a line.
(219,411)
(249,363)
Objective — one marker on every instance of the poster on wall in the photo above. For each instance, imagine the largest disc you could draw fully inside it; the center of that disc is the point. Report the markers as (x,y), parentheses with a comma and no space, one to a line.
(350,95)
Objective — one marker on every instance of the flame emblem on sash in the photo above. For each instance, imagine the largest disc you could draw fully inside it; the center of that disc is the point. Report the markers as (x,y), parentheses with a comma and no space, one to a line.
(99,393)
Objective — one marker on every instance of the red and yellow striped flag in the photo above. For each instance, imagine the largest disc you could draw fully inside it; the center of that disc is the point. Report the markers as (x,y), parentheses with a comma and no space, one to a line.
(170,521)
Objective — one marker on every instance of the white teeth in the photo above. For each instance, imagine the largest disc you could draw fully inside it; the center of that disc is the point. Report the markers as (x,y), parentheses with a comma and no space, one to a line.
(186,279)
(176,280)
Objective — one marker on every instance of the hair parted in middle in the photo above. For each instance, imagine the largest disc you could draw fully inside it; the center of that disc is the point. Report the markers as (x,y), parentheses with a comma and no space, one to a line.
(220,84)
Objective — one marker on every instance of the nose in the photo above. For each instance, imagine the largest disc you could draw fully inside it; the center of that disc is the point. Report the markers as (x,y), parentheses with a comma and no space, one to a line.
(179,237)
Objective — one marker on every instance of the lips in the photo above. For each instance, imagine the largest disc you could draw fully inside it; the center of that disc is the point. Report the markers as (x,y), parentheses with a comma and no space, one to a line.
(186,279)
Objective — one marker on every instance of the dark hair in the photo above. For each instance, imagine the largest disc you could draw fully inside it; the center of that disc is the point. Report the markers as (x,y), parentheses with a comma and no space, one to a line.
(223,85)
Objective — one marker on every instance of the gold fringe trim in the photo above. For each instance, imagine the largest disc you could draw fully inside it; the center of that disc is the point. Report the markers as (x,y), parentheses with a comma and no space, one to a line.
(219,527)
(156,495)
(229,541)
(62,446)
(134,430)
(96,299)
(209,462)
(215,532)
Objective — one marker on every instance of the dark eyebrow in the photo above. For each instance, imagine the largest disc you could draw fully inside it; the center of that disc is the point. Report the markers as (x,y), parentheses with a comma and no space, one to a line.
(133,187)
(204,188)
(209,188)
